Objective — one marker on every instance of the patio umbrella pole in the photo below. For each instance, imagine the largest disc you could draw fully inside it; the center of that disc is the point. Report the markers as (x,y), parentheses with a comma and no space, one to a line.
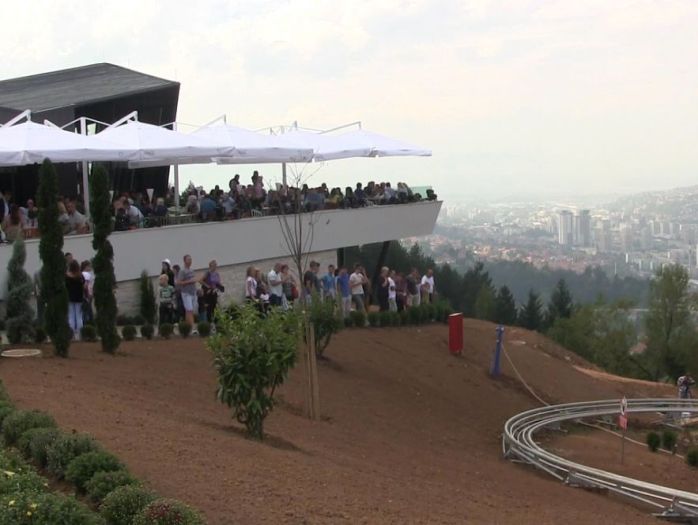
(85,184)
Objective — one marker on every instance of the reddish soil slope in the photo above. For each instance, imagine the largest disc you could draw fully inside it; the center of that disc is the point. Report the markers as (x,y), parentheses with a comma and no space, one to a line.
(409,433)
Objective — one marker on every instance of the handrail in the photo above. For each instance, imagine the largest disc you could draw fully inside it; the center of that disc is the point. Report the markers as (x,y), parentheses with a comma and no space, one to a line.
(518,443)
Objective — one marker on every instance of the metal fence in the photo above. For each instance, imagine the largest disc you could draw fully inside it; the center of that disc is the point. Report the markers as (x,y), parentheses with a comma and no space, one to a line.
(519,443)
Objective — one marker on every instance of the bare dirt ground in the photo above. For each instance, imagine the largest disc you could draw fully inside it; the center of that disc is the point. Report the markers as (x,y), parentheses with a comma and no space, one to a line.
(603,450)
(409,433)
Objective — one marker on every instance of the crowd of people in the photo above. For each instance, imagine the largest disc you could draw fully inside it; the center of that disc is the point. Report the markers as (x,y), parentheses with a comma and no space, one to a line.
(134,210)
(182,293)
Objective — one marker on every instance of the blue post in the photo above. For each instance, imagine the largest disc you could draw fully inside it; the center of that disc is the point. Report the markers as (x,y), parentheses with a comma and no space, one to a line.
(494,372)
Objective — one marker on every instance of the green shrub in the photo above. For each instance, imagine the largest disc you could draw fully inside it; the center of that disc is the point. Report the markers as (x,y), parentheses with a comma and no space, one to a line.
(5,410)
(427,312)
(168,512)
(184,328)
(123,320)
(374,319)
(123,504)
(33,443)
(204,328)
(325,321)
(165,330)
(669,440)
(395,319)
(348,321)
(692,457)
(653,441)
(11,459)
(149,305)
(65,448)
(384,318)
(81,469)
(4,396)
(128,332)
(88,333)
(40,335)
(102,483)
(414,315)
(18,422)
(16,479)
(147,331)
(45,509)
(2,324)
(358,318)
(252,357)
(403,317)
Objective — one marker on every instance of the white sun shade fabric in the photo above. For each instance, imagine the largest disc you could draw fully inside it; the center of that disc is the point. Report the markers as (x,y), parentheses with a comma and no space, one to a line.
(30,142)
(157,143)
(379,145)
(326,146)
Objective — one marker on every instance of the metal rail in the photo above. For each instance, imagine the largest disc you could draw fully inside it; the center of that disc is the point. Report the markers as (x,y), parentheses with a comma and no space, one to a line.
(518,443)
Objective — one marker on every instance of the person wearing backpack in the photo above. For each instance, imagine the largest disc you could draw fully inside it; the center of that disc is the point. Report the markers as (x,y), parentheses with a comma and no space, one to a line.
(685,383)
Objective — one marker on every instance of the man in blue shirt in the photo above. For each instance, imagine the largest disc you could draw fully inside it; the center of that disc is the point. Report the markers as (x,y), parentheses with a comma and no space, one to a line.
(329,284)
(344,290)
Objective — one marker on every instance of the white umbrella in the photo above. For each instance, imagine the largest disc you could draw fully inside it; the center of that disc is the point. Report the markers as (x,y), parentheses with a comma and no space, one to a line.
(156,143)
(379,145)
(256,148)
(29,143)
(325,146)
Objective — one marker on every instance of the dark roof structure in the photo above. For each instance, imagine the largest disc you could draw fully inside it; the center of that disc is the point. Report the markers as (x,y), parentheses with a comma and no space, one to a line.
(76,86)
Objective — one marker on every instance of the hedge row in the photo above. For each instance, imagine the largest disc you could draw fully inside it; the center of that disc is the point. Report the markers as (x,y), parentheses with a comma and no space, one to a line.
(24,496)
(417,315)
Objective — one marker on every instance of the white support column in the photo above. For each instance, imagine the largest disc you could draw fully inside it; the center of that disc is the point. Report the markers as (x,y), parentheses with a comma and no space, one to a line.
(176,186)
(85,183)
(283,175)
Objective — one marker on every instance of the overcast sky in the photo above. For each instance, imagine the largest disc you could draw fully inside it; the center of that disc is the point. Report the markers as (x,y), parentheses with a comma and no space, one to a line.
(513,97)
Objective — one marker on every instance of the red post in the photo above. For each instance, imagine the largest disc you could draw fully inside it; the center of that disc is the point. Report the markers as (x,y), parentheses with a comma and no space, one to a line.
(455,333)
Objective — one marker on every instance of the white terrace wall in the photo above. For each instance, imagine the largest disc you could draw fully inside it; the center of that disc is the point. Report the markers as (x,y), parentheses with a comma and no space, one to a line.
(233,277)
(235,244)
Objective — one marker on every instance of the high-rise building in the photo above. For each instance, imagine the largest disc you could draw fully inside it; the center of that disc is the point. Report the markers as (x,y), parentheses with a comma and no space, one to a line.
(582,228)
(565,230)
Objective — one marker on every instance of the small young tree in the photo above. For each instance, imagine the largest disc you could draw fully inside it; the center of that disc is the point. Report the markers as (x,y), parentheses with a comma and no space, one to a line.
(531,316)
(505,307)
(20,315)
(53,288)
(560,306)
(148,303)
(252,356)
(103,262)
(326,322)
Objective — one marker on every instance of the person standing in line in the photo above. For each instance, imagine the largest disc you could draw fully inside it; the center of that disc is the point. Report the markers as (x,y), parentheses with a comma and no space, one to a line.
(178,305)
(276,285)
(75,283)
(166,300)
(167,270)
(311,282)
(344,291)
(428,285)
(413,286)
(392,292)
(251,285)
(211,285)
(357,280)
(89,276)
(383,291)
(186,280)
(401,289)
(329,284)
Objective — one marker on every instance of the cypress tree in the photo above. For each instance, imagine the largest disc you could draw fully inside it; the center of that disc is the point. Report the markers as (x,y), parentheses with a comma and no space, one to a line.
(20,315)
(103,262)
(53,288)
(531,315)
(505,307)
(148,304)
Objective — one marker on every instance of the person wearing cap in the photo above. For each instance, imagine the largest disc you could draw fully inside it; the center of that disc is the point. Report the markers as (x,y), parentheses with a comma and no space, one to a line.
(167,270)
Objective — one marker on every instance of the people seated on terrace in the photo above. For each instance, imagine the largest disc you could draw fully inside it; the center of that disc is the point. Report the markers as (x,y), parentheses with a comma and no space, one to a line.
(13,224)
(208,207)
(135,216)
(314,200)
(121,220)
(431,195)
(160,210)
(359,196)
(192,205)
(31,214)
(63,217)
(229,205)
(389,194)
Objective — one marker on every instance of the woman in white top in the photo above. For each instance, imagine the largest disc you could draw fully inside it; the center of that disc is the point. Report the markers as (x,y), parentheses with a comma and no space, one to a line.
(251,285)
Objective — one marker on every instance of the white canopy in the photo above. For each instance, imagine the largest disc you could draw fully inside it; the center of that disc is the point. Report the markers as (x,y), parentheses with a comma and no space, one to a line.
(29,143)
(325,146)
(379,145)
(154,143)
